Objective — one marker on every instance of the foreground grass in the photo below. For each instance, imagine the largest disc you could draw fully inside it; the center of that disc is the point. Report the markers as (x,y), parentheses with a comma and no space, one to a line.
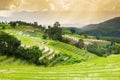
(94,69)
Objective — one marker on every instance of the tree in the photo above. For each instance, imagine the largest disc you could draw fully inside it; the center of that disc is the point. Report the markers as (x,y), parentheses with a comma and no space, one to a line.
(85,35)
(3,27)
(49,32)
(30,54)
(72,30)
(55,32)
(35,24)
(112,43)
(80,44)
(97,37)
(44,36)
(56,24)
(8,44)
(114,49)
(13,24)
(33,54)
(96,49)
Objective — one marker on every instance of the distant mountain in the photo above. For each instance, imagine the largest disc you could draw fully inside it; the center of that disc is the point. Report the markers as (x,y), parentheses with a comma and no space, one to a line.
(108,28)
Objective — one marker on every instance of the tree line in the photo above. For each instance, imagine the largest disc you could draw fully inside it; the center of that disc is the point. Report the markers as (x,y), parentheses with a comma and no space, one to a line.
(106,50)
(10,46)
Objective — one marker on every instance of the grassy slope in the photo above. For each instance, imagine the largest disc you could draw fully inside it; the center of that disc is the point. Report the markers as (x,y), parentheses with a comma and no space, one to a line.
(6,26)
(27,40)
(100,68)
(95,69)
(57,46)
(69,49)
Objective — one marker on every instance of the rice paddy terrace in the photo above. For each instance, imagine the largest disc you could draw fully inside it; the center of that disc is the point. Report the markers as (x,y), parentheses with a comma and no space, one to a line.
(49,48)
(29,39)
(96,69)
(92,68)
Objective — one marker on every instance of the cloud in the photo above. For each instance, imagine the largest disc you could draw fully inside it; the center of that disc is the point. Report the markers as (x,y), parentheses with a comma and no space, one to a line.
(52,6)
(58,5)
(5,13)
(67,11)
(9,4)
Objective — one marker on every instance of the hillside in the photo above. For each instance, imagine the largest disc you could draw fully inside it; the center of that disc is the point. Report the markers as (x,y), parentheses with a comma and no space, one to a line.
(50,48)
(73,29)
(59,60)
(95,69)
(109,28)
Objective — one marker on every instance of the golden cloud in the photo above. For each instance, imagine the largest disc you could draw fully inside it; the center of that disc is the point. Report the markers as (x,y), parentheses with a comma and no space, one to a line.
(85,11)
(9,4)
(58,5)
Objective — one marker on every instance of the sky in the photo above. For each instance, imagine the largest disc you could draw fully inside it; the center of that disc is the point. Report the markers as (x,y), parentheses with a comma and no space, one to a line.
(81,12)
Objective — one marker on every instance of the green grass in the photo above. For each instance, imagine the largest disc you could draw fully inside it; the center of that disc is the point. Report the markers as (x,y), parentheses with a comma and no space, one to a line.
(34,34)
(70,50)
(29,41)
(6,26)
(73,53)
(95,69)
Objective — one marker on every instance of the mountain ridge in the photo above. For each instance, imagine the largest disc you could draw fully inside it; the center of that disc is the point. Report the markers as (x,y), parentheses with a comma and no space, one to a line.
(110,28)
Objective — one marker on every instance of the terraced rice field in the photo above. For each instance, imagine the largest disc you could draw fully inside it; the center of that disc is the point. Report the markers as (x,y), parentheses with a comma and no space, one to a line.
(71,50)
(86,41)
(47,53)
(95,69)
(28,40)
(98,68)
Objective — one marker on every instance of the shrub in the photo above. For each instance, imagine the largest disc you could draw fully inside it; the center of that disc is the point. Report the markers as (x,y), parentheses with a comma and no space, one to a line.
(80,44)
(96,49)
(44,36)
(65,40)
(8,44)
(31,54)
(3,27)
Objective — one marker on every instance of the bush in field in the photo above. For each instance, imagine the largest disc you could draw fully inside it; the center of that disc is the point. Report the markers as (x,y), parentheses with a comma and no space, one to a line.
(113,49)
(85,35)
(116,49)
(8,44)
(44,36)
(65,40)
(104,50)
(21,53)
(72,30)
(3,27)
(80,44)
(45,62)
(31,54)
(13,24)
(96,49)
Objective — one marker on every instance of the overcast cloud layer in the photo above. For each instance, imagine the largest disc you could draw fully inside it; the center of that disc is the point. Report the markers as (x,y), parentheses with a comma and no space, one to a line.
(66,11)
